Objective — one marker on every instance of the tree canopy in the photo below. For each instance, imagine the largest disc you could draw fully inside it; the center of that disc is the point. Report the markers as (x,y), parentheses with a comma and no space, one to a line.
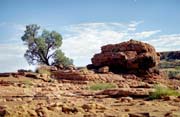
(44,48)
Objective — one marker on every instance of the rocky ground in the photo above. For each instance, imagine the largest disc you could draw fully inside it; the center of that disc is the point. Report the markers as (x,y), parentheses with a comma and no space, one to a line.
(31,97)
(118,83)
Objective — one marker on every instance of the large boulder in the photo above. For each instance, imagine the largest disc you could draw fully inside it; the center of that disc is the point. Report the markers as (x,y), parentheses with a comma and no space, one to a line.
(130,56)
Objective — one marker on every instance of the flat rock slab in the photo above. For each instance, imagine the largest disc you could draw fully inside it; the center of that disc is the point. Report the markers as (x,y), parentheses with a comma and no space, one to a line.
(15,91)
(77,75)
(133,92)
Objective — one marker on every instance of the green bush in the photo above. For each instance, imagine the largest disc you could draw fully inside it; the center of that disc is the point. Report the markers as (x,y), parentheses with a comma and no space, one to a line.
(169,64)
(43,70)
(27,83)
(177,68)
(102,86)
(165,64)
(173,74)
(163,91)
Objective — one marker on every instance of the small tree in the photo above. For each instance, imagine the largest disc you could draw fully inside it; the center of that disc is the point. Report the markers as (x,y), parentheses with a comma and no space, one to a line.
(44,48)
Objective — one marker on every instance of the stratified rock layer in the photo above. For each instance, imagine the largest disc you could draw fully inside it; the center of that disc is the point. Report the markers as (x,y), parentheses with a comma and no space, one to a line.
(130,56)
(85,75)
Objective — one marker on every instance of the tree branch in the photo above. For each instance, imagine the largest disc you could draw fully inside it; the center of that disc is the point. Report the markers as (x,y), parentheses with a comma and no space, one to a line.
(51,55)
(47,51)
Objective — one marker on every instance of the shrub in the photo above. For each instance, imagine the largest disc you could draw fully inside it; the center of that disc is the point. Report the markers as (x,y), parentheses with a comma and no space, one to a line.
(43,70)
(102,86)
(173,74)
(84,70)
(177,67)
(27,83)
(169,64)
(163,91)
(165,64)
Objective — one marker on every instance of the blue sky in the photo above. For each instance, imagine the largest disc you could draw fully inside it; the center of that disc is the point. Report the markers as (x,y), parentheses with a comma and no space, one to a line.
(86,25)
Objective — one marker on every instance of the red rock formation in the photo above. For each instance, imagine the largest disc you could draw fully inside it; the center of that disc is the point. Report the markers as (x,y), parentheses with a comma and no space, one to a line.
(130,56)
(85,75)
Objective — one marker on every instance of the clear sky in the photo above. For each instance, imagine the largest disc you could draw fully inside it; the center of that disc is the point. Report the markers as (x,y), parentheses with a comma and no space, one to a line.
(86,25)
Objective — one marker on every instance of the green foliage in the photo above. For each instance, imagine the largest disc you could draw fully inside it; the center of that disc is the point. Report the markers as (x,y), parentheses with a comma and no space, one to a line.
(60,58)
(177,68)
(169,64)
(163,91)
(172,72)
(102,86)
(165,64)
(43,49)
(84,70)
(27,83)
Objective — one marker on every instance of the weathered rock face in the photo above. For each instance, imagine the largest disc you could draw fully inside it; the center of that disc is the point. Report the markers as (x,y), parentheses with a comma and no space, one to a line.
(131,56)
(133,92)
(85,75)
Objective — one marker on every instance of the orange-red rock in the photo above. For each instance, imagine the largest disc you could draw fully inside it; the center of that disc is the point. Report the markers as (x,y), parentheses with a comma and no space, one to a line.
(131,56)
(133,92)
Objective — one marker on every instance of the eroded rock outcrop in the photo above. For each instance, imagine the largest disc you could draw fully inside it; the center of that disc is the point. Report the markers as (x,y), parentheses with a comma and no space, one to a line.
(85,75)
(131,57)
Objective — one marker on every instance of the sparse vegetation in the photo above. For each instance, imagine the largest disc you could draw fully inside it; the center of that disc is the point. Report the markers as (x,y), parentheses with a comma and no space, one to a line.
(172,73)
(163,91)
(102,86)
(84,70)
(171,68)
(43,71)
(51,80)
(27,83)
(169,64)
(177,67)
